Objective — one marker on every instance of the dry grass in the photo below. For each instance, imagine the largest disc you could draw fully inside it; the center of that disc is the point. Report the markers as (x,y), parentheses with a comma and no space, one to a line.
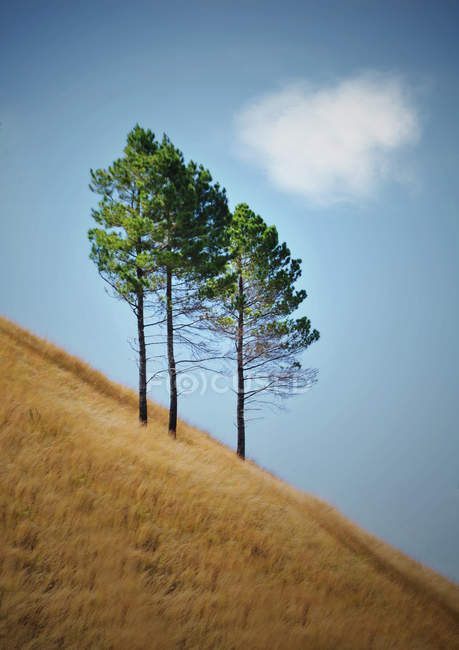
(115,536)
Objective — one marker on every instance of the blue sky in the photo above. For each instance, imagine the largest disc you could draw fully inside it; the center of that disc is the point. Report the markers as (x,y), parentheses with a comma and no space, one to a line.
(336,123)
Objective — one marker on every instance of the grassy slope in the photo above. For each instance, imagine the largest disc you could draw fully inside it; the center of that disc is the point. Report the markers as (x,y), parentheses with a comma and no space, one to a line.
(115,536)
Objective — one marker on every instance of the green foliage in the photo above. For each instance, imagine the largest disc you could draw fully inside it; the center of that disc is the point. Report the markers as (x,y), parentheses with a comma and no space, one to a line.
(122,240)
(190,214)
(156,213)
(257,294)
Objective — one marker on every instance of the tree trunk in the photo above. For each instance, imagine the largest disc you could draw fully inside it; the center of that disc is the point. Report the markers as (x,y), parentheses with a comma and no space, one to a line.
(142,361)
(240,376)
(171,359)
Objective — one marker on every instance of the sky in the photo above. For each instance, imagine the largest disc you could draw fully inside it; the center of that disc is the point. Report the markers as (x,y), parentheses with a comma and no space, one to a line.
(337,122)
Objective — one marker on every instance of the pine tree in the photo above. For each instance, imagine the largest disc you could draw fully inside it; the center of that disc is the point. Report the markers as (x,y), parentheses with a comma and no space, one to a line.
(252,304)
(121,243)
(191,217)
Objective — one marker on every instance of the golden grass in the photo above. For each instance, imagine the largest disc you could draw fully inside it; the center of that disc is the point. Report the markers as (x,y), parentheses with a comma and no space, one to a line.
(115,536)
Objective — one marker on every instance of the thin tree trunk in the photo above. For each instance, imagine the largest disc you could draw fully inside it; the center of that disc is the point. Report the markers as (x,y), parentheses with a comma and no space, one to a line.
(171,359)
(240,376)
(142,361)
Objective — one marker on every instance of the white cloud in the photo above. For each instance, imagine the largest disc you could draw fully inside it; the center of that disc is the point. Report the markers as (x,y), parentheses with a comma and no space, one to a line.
(331,143)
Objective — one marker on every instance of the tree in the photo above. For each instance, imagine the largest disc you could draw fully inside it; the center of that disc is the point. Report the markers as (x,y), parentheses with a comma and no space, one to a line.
(191,216)
(252,305)
(121,244)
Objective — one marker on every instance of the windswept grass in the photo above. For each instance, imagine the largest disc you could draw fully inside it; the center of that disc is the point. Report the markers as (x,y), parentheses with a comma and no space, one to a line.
(115,536)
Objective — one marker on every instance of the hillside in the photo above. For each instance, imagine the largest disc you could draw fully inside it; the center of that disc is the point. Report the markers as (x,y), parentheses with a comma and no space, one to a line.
(115,536)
